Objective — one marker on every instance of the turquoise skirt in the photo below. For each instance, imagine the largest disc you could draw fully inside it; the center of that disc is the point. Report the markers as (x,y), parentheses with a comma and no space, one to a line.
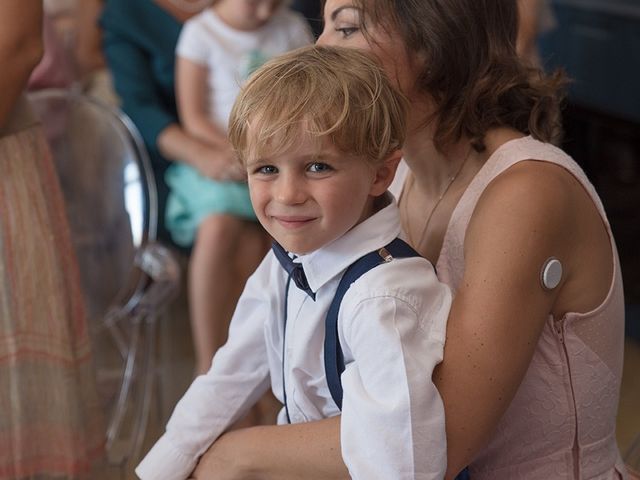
(193,197)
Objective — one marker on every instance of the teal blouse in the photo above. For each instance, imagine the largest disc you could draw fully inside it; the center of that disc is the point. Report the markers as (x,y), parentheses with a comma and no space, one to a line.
(139,43)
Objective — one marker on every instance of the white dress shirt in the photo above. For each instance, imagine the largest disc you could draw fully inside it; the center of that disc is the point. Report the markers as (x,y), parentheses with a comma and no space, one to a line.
(391,326)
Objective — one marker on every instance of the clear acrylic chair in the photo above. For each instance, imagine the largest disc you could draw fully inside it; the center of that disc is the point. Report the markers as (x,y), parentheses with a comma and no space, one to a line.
(128,278)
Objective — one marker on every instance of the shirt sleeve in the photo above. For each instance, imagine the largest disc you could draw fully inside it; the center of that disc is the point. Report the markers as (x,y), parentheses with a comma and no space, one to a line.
(239,376)
(392,423)
(134,82)
(194,42)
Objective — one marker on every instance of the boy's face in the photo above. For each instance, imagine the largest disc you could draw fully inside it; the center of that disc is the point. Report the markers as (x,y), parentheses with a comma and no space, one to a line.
(308,197)
(246,14)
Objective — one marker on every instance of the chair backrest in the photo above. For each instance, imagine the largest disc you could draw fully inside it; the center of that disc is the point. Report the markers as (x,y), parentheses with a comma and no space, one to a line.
(108,188)
(128,279)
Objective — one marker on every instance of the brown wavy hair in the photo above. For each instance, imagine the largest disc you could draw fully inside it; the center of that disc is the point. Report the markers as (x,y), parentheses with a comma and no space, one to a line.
(471,69)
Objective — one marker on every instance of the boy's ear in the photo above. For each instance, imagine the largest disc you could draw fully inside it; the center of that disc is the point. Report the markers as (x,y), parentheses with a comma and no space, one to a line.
(384,174)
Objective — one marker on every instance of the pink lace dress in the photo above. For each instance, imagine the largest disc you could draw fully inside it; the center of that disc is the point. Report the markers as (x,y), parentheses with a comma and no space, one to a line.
(561,423)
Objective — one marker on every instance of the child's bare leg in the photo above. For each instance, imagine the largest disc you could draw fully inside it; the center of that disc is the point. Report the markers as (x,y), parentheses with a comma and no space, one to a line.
(211,285)
(223,257)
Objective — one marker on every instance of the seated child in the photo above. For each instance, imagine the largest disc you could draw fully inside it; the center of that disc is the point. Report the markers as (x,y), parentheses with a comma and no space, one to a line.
(319,131)
(208,204)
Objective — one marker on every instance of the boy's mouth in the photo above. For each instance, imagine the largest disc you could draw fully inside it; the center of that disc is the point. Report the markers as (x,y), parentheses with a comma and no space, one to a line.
(293,221)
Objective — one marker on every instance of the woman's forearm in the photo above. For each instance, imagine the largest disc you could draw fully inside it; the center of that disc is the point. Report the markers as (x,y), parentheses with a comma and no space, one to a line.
(307,450)
(205,130)
(286,452)
(529,12)
(210,160)
(176,145)
(20,48)
(88,45)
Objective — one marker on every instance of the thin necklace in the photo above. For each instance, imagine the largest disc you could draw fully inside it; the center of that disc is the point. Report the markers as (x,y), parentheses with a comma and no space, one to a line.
(405,196)
(191,7)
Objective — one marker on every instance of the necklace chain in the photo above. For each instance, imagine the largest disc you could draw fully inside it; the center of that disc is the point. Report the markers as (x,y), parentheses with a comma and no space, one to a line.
(190,7)
(425,228)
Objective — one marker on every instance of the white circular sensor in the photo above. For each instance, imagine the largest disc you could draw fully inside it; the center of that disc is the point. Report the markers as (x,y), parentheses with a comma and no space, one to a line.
(551,273)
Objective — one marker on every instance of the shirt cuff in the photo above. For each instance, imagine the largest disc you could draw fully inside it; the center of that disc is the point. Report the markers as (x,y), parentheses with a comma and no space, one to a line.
(165,462)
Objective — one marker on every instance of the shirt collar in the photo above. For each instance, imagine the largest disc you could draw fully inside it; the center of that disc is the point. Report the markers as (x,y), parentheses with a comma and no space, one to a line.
(376,231)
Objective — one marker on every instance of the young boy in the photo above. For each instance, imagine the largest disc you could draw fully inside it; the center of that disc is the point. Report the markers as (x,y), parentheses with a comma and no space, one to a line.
(319,132)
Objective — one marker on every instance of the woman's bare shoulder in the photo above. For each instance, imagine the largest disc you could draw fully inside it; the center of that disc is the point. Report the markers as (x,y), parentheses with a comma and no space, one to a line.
(536,210)
(529,195)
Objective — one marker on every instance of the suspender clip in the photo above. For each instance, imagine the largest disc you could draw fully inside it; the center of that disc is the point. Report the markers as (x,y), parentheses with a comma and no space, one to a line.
(386,256)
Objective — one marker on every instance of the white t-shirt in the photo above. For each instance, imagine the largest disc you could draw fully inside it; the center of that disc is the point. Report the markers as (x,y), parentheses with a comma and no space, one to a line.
(232,55)
(391,326)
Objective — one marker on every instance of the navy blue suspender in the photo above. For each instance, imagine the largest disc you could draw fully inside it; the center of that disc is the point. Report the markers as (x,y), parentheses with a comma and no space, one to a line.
(333,358)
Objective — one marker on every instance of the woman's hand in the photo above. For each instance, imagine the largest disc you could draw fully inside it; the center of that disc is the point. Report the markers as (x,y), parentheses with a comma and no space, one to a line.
(211,160)
(220,164)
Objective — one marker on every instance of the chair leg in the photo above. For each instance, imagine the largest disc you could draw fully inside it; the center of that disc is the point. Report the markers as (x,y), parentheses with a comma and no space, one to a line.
(148,372)
(117,416)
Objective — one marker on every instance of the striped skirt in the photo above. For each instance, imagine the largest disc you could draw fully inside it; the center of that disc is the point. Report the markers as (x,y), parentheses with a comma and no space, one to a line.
(50,416)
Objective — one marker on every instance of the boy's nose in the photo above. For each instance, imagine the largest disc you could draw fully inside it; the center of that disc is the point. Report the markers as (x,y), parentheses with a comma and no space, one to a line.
(290,190)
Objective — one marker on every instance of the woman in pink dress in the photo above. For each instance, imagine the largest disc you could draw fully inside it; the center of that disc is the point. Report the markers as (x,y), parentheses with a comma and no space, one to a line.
(532,365)
(50,424)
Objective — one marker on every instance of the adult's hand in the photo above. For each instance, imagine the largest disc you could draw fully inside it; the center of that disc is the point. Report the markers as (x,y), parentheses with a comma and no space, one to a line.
(220,164)
(213,161)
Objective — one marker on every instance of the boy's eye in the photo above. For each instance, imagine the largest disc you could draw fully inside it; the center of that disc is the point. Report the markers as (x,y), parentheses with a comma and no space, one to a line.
(267,170)
(319,167)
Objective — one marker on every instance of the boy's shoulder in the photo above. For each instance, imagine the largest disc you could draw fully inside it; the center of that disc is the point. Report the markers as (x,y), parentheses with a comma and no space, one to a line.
(399,274)
(400,288)
(410,280)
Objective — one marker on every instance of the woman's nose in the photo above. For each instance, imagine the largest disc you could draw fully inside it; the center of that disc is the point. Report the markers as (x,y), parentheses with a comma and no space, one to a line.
(322,40)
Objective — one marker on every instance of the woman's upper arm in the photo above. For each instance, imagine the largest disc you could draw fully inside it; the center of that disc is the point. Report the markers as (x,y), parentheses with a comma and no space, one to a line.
(20,48)
(500,307)
(529,14)
(88,44)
